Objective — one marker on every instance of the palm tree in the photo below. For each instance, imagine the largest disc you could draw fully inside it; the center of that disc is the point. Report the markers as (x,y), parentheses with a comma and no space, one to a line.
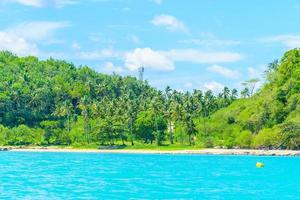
(84,106)
(190,109)
(234,94)
(178,113)
(132,108)
(168,112)
(245,92)
(65,110)
(251,85)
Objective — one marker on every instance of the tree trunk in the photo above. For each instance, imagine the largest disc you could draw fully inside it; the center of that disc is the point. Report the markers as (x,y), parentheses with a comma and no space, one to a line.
(204,125)
(68,123)
(123,140)
(131,132)
(204,121)
(170,132)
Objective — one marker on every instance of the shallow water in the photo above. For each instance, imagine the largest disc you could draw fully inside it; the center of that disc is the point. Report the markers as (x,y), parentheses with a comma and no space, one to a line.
(134,176)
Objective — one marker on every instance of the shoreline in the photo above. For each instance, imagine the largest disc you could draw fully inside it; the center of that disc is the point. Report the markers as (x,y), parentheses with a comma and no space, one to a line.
(197,152)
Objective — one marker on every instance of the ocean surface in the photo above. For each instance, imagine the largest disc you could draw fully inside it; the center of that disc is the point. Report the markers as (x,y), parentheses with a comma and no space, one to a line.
(27,175)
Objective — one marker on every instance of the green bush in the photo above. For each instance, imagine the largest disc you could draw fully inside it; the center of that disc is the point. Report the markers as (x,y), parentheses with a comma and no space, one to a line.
(54,134)
(209,142)
(23,135)
(267,138)
(243,140)
(3,135)
(230,120)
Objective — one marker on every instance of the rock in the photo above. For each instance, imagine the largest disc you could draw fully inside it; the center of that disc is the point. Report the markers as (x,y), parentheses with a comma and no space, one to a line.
(111,147)
(4,149)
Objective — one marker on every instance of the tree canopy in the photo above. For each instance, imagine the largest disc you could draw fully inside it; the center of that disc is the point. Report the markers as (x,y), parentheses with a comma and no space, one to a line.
(272,115)
(53,102)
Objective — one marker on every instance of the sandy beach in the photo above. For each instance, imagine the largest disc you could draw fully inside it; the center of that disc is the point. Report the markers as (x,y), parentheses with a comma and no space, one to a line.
(200,151)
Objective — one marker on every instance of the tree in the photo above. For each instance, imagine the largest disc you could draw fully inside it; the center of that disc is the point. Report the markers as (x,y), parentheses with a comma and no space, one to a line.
(34,92)
(233,95)
(271,68)
(132,108)
(84,106)
(168,112)
(156,106)
(290,133)
(65,110)
(243,140)
(52,132)
(245,92)
(206,105)
(190,109)
(251,85)
(177,114)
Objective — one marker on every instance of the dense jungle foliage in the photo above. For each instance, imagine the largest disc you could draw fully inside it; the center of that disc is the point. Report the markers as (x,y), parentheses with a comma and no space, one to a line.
(53,102)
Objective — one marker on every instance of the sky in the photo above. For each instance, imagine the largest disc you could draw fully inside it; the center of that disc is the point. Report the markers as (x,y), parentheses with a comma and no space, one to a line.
(192,44)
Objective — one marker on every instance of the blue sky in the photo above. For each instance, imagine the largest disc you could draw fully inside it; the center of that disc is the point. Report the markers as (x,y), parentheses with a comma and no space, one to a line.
(203,44)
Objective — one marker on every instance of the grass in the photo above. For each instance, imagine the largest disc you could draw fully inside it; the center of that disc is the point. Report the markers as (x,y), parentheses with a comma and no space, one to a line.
(127,146)
(162,148)
(139,146)
(119,145)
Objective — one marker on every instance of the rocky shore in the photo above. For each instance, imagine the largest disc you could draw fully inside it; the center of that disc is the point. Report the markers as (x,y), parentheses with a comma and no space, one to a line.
(124,151)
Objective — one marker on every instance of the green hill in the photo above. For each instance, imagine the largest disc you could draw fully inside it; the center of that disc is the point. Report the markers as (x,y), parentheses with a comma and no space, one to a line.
(268,119)
(53,102)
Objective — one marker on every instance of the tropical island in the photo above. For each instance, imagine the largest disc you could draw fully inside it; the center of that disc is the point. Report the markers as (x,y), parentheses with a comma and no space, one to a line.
(46,103)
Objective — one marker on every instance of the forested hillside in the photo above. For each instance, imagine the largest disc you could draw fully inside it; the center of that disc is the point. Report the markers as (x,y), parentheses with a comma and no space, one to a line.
(268,119)
(53,102)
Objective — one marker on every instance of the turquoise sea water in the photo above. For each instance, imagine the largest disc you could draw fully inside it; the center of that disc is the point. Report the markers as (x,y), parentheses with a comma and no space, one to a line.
(134,176)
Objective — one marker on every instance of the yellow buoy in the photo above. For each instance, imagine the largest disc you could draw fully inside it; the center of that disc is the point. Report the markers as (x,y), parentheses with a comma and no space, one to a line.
(260,164)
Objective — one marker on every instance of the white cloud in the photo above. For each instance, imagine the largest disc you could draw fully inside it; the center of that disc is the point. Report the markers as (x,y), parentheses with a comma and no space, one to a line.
(188,85)
(209,39)
(109,67)
(164,60)
(289,41)
(135,39)
(98,54)
(224,71)
(211,42)
(214,86)
(34,3)
(44,3)
(157,1)
(147,58)
(37,30)
(169,22)
(253,73)
(75,46)
(23,38)
(56,55)
(62,3)
(17,45)
(256,72)
(196,56)
(94,38)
